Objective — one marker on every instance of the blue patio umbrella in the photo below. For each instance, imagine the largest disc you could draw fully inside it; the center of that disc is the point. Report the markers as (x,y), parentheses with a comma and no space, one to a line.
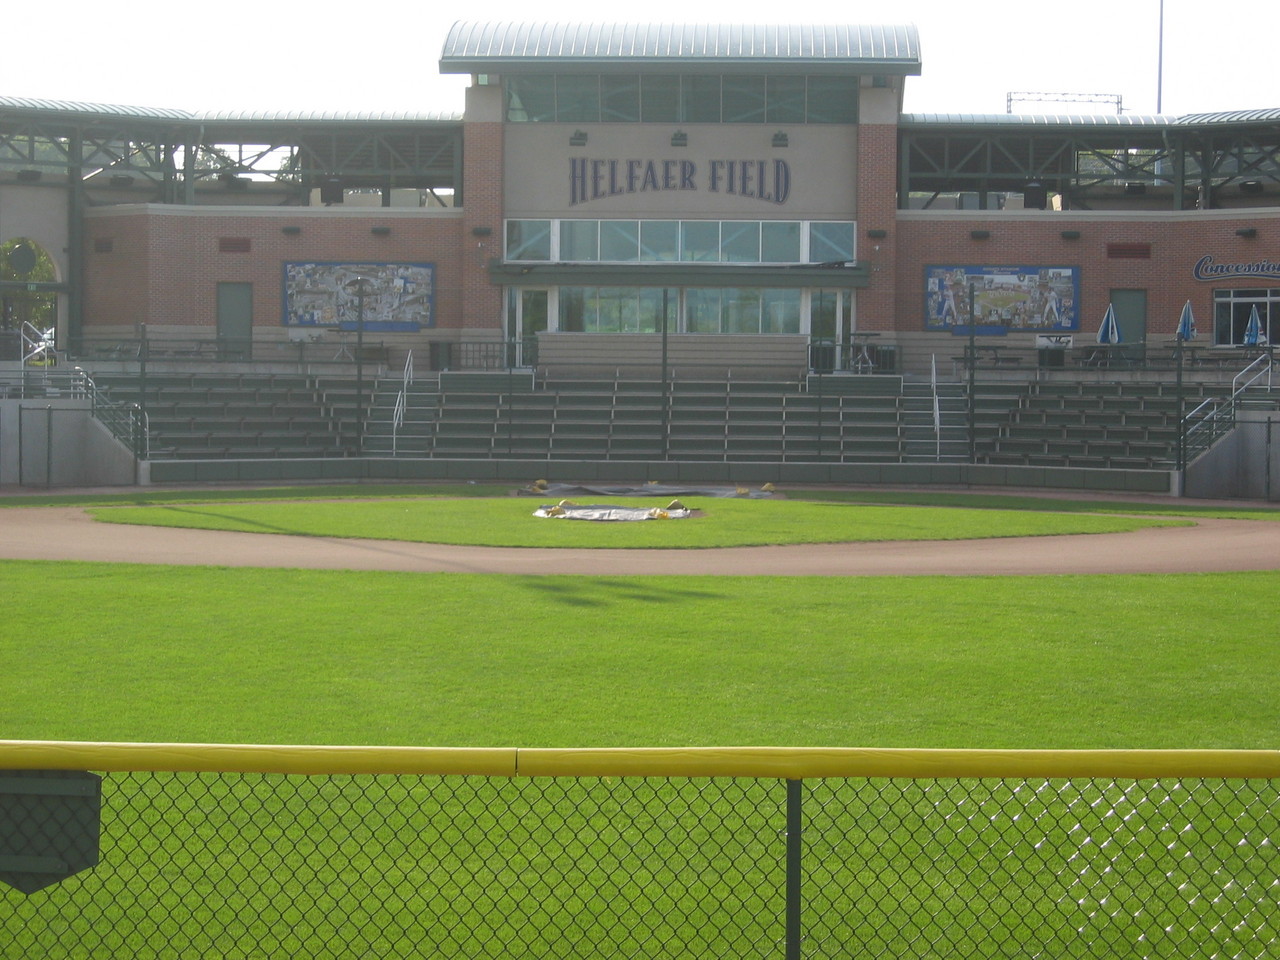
(1186,323)
(1253,332)
(1109,332)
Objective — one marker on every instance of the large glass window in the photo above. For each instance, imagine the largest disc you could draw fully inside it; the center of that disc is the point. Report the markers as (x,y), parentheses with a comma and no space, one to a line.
(668,98)
(830,241)
(1233,312)
(743,100)
(620,240)
(832,100)
(785,100)
(580,240)
(741,310)
(780,311)
(653,301)
(528,239)
(700,99)
(659,240)
(531,99)
(692,241)
(619,99)
(573,307)
(660,99)
(702,310)
(616,309)
(740,242)
(780,241)
(709,310)
(577,98)
(700,241)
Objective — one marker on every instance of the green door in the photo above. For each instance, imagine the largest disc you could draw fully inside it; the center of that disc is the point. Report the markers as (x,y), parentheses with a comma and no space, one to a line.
(235,321)
(1131,318)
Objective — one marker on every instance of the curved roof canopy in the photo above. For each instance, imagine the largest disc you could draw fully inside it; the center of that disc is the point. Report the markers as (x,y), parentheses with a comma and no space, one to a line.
(478,47)
(80,110)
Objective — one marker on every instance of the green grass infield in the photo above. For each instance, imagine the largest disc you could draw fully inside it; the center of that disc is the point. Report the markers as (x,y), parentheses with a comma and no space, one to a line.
(718,522)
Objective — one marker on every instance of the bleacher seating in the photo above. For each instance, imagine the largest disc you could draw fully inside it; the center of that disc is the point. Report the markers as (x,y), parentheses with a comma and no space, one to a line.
(237,416)
(1093,424)
(509,415)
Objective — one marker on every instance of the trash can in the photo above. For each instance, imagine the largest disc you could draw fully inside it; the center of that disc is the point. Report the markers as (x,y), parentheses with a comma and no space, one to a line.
(1053,357)
(441,355)
(822,357)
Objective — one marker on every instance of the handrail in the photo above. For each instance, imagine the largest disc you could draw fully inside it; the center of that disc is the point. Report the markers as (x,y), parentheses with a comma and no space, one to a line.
(37,342)
(397,420)
(1218,414)
(1263,359)
(128,422)
(402,402)
(937,407)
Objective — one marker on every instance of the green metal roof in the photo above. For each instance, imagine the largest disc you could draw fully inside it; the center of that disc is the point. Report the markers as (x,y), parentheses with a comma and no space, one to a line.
(1093,121)
(1233,116)
(1036,120)
(79,110)
(480,47)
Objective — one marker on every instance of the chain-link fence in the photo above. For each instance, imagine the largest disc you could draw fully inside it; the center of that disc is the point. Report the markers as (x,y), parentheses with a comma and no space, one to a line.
(248,865)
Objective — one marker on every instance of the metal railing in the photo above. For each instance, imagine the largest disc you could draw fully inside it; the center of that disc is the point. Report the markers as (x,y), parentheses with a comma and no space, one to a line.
(397,852)
(200,351)
(402,402)
(39,347)
(127,421)
(1258,371)
(1216,416)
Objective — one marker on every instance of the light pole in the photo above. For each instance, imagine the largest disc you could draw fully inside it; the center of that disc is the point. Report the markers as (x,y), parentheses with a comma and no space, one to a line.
(1160,64)
(973,359)
(1180,407)
(360,286)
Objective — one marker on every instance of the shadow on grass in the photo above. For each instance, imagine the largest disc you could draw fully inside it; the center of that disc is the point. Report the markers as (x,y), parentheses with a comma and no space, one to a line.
(606,591)
(238,522)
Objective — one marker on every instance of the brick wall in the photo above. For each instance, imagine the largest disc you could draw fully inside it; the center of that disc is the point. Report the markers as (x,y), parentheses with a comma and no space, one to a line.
(161,265)
(481,306)
(877,167)
(1176,241)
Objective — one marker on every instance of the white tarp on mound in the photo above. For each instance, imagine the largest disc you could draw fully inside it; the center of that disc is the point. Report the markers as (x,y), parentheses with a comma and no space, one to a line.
(604,511)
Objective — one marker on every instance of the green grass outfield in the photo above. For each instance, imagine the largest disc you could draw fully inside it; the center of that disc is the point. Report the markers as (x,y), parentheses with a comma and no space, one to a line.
(346,867)
(119,652)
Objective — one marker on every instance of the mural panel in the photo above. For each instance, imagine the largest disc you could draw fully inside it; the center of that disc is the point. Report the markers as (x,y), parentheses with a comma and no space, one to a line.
(399,297)
(1036,299)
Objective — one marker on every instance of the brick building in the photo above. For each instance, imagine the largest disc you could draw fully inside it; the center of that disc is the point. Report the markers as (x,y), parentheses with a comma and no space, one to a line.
(750,196)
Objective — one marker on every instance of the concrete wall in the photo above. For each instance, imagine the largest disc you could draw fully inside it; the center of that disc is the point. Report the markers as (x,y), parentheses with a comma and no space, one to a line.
(1245,464)
(631,171)
(977,476)
(57,443)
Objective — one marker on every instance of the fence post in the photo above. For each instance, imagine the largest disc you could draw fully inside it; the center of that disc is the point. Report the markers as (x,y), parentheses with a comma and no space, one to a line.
(795,794)
(48,446)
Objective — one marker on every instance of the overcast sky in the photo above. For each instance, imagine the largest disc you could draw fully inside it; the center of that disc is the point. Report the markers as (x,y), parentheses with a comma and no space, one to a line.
(382,55)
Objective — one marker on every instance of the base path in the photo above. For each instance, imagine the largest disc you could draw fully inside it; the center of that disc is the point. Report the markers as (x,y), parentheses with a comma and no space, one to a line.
(64,533)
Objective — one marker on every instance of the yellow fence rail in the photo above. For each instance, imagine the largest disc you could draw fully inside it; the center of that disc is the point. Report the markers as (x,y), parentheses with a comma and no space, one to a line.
(344,852)
(790,763)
